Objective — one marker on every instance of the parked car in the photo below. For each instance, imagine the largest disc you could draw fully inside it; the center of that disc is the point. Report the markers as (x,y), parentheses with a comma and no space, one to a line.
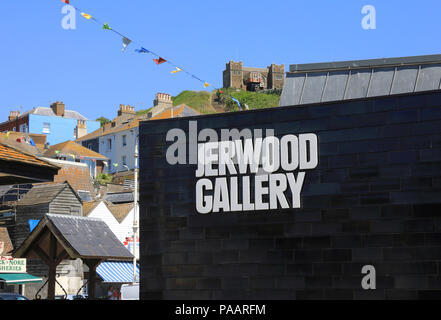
(130,291)
(12,296)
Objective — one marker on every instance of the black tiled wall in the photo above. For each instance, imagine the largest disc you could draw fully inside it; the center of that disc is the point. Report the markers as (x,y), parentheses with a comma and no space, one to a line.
(375,199)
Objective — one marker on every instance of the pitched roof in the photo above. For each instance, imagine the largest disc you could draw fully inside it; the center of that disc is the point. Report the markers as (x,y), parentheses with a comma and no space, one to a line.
(68,148)
(17,140)
(47,111)
(44,193)
(108,129)
(6,247)
(88,207)
(175,112)
(119,197)
(179,111)
(120,211)
(11,154)
(81,237)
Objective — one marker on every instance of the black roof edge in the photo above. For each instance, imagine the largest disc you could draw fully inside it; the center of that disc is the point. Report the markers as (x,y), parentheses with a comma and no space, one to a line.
(356,64)
(269,109)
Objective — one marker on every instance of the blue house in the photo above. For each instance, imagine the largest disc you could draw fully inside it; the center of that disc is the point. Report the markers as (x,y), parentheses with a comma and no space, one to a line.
(57,123)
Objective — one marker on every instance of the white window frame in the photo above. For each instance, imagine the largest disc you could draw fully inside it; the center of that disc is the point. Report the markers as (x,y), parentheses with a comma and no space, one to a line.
(46,127)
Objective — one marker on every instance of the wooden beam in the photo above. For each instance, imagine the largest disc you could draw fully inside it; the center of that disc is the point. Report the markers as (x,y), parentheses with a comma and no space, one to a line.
(63,255)
(40,252)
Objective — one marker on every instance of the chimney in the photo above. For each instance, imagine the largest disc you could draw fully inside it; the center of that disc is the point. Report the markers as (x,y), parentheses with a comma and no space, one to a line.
(126,109)
(14,115)
(161,103)
(163,99)
(81,129)
(58,108)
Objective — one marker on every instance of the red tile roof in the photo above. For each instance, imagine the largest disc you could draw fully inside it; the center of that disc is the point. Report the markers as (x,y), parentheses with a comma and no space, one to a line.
(13,155)
(72,148)
(108,129)
(177,112)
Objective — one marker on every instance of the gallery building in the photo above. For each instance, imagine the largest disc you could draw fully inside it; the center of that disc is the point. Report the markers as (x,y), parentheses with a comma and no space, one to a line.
(336,194)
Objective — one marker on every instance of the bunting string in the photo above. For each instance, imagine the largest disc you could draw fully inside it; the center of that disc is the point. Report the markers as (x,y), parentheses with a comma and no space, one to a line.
(126,41)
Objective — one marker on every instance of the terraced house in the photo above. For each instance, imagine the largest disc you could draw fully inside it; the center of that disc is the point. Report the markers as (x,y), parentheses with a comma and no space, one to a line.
(56,122)
(117,140)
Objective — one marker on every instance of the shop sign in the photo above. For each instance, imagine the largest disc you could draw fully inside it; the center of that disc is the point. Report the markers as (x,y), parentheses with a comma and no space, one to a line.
(11,265)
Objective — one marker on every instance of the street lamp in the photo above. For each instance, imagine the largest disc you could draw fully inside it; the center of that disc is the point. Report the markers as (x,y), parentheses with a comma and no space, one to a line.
(135,208)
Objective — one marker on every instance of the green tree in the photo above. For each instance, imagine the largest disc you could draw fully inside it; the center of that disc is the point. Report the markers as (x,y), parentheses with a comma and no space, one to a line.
(103,179)
(103,121)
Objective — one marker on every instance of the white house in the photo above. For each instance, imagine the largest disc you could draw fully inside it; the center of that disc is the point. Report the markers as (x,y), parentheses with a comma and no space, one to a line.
(119,147)
(118,217)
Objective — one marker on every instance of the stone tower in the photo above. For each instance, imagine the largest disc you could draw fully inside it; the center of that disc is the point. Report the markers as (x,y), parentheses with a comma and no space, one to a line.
(233,75)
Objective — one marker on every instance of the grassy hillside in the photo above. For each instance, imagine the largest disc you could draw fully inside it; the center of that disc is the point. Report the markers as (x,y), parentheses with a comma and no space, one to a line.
(198,100)
(254,100)
(214,102)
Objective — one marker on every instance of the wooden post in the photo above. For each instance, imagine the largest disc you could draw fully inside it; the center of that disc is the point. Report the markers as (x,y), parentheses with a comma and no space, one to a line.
(51,282)
(52,268)
(91,285)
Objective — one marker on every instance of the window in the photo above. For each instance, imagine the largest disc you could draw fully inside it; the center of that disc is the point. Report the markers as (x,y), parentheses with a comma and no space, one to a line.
(124,160)
(279,77)
(46,127)
(23,128)
(109,144)
(124,140)
(84,195)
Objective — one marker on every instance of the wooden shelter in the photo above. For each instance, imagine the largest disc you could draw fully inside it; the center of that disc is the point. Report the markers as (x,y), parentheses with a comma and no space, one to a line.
(60,237)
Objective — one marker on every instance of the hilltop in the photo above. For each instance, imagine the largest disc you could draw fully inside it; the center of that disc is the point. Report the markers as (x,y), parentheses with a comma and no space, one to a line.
(215,102)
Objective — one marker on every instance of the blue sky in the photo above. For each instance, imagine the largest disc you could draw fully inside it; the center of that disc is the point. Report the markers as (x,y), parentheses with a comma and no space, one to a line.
(85,68)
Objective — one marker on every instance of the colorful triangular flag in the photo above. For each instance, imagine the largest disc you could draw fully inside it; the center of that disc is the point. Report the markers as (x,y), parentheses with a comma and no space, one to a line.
(126,42)
(115,165)
(177,70)
(72,155)
(65,1)
(106,26)
(86,15)
(7,134)
(142,50)
(206,84)
(106,164)
(57,151)
(159,60)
